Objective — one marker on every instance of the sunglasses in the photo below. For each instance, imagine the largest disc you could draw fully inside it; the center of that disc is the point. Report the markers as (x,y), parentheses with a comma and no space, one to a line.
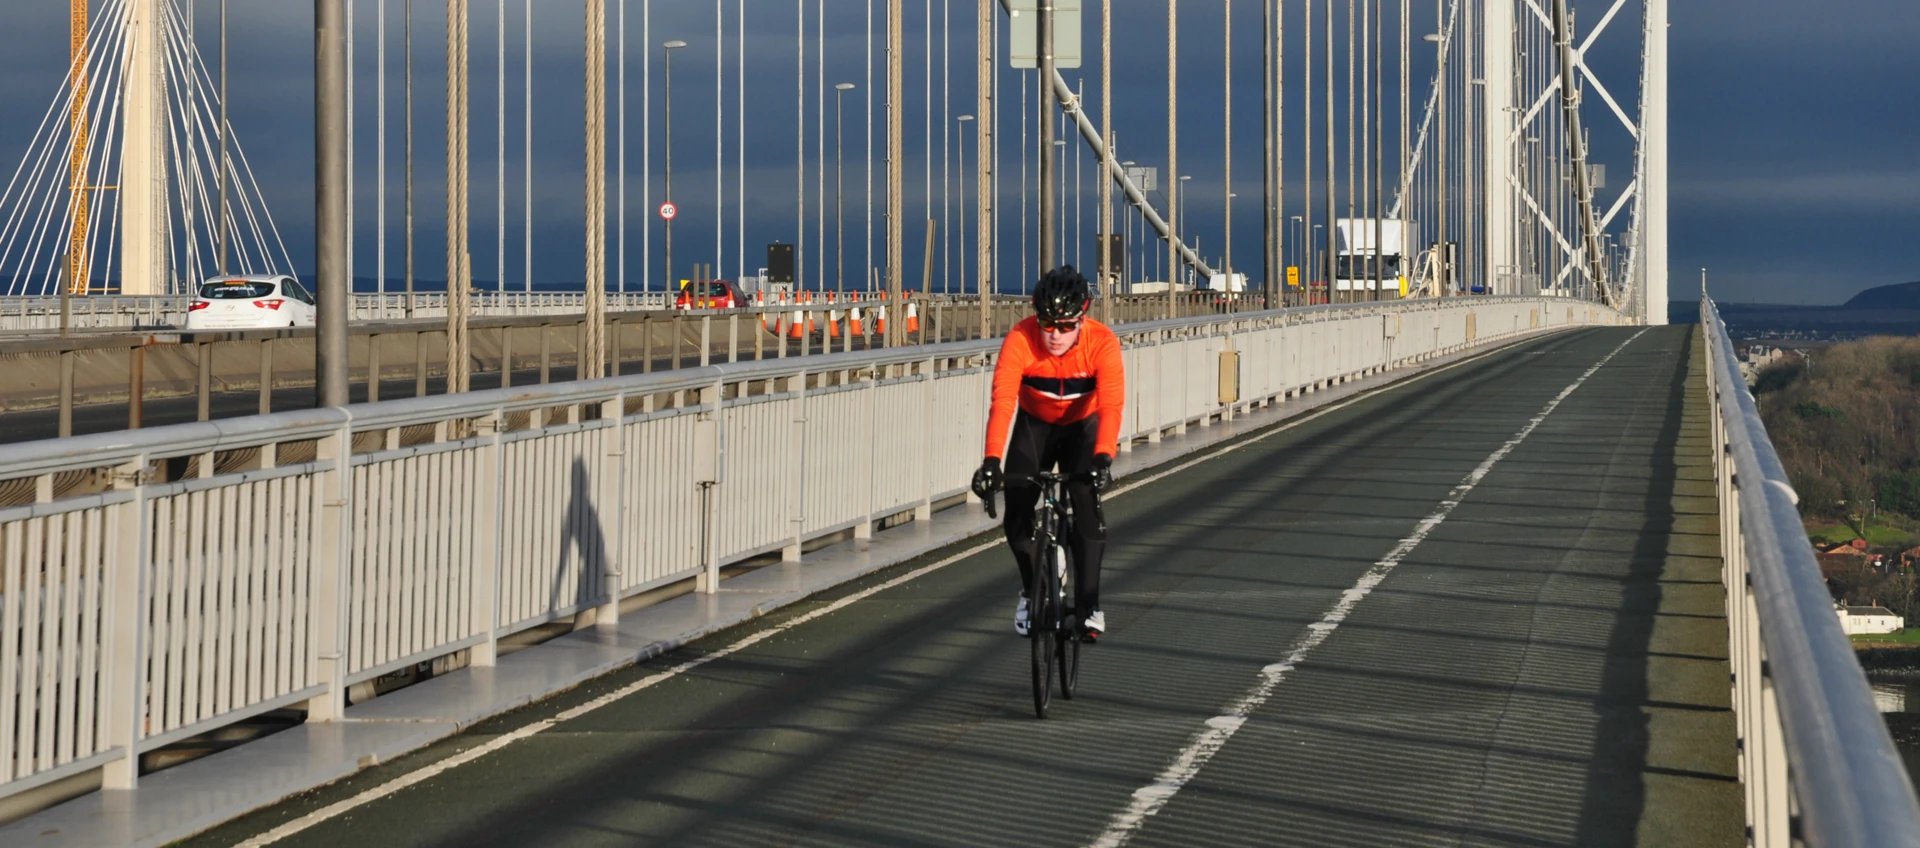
(1060,326)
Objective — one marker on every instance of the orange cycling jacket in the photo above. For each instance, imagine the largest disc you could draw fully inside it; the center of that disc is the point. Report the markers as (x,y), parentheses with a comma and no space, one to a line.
(1089,379)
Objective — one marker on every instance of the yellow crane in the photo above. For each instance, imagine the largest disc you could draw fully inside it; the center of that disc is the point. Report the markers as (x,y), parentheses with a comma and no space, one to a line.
(77,270)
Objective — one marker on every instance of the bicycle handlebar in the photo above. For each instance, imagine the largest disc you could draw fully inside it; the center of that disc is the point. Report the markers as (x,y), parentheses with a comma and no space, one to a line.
(1050,477)
(1043,478)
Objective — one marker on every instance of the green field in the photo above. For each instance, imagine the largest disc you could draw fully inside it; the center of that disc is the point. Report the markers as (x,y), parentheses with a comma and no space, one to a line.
(1878,534)
(1909,636)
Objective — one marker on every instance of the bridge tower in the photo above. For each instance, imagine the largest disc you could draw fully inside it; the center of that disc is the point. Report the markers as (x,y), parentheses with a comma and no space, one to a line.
(143,175)
(1653,150)
(1500,122)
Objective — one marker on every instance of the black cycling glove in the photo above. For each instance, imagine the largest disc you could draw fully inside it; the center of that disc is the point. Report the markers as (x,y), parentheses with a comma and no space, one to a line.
(1102,472)
(988,480)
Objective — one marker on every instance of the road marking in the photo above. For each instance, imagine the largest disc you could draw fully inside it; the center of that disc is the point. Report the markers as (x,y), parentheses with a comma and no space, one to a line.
(543,725)
(429,772)
(1149,799)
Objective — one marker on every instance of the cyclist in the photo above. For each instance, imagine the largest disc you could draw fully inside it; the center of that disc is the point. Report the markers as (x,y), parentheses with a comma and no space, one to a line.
(1058,392)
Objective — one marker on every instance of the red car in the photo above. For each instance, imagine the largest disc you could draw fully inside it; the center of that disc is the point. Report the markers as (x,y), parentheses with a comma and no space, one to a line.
(712,294)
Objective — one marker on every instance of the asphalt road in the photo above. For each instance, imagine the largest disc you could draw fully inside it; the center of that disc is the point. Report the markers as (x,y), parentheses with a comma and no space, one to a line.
(1546,666)
(35,424)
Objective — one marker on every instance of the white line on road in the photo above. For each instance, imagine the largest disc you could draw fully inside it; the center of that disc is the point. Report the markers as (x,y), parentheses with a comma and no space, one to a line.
(543,725)
(1149,799)
(428,772)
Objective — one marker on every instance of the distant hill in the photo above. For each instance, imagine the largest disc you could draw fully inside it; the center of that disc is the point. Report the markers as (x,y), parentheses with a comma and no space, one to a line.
(1899,296)
(1886,311)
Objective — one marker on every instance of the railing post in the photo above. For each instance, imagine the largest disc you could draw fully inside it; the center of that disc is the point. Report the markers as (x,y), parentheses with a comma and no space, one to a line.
(616,339)
(546,353)
(66,393)
(204,388)
(327,612)
(870,467)
(710,448)
(706,340)
(266,376)
(679,338)
(122,674)
(925,511)
(136,385)
(613,502)
(490,469)
(373,367)
(797,440)
(646,344)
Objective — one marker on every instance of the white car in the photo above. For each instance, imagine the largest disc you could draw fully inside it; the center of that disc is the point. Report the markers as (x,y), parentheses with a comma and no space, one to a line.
(251,303)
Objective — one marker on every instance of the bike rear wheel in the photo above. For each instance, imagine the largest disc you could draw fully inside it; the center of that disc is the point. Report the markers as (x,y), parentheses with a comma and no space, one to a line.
(1041,618)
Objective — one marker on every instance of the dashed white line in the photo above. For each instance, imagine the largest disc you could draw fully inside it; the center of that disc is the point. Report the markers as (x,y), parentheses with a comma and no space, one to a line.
(1149,799)
(543,725)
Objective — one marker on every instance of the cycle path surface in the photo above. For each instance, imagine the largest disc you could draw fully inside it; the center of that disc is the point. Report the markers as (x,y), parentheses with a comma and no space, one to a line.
(1542,662)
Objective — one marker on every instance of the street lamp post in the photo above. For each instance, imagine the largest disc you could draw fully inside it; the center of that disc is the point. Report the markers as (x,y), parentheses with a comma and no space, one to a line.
(1059,206)
(670,46)
(1126,227)
(839,192)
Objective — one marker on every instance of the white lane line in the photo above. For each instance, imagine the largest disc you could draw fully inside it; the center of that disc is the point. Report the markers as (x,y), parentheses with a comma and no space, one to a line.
(1149,799)
(535,728)
(543,725)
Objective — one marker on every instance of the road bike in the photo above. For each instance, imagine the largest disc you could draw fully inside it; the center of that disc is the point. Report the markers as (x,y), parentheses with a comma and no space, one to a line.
(1053,625)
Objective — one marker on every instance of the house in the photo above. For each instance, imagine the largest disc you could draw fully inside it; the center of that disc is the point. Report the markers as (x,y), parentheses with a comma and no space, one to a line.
(1758,357)
(1909,559)
(1866,620)
(1855,548)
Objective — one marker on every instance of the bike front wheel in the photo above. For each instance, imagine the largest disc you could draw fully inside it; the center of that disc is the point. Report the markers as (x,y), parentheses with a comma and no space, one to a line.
(1066,637)
(1042,614)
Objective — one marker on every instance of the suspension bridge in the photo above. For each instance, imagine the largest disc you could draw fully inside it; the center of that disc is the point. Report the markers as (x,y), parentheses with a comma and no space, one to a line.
(1428,530)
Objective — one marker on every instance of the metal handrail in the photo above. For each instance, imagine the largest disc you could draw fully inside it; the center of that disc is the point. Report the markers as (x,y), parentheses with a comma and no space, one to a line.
(1848,783)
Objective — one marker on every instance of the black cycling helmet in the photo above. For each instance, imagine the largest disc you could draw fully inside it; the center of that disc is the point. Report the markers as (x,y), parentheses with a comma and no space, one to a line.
(1061,295)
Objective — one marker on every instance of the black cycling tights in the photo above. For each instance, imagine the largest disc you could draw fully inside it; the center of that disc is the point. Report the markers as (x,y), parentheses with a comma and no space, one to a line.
(1034,446)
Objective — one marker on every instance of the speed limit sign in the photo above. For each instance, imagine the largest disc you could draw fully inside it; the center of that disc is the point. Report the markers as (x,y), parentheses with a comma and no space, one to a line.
(668,210)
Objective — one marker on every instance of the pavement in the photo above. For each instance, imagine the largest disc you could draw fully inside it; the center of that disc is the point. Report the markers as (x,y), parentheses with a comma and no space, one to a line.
(1545,664)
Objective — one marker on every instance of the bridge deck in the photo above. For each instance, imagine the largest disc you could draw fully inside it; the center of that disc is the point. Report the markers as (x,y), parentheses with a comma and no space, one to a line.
(1546,666)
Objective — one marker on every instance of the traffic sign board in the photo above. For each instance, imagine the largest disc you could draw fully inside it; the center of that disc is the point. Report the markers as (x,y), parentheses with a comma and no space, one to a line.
(668,210)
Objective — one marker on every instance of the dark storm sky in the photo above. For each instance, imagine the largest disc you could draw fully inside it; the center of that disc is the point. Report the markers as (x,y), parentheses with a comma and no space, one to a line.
(1793,172)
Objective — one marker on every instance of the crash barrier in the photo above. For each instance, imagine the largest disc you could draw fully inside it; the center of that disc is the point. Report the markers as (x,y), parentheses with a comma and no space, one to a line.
(163,584)
(133,369)
(1816,761)
(133,312)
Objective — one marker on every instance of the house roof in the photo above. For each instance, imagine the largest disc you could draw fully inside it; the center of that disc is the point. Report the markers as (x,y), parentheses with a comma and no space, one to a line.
(1868,611)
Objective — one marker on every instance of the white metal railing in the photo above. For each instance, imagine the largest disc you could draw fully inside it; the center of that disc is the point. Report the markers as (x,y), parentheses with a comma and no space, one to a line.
(1816,760)
(161,583)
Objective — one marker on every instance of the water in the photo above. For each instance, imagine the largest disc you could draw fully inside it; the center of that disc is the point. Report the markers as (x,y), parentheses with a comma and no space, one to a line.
(1899,698)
